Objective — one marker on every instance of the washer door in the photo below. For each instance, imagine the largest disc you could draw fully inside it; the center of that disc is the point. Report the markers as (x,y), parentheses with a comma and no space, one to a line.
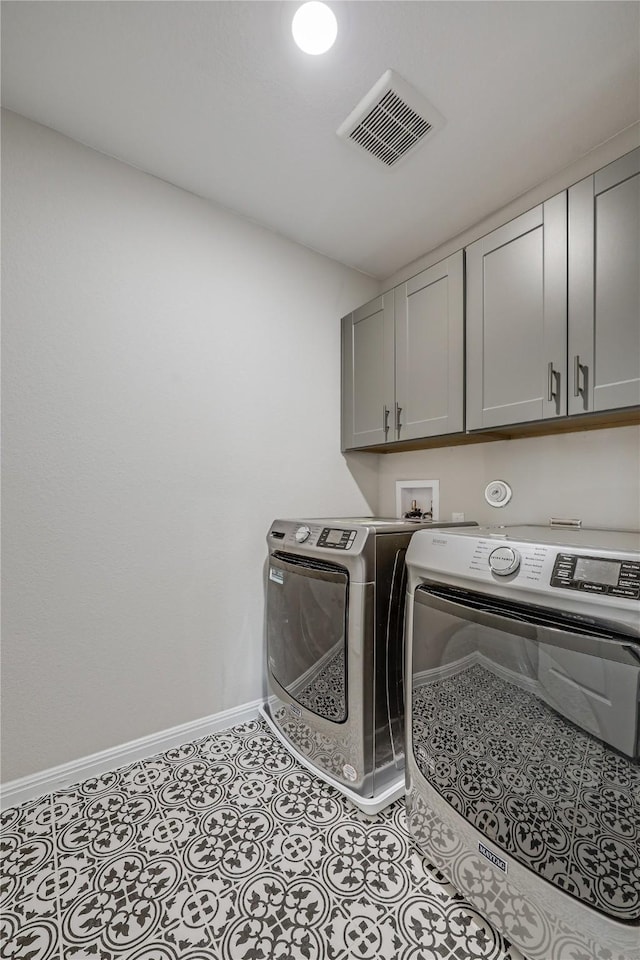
(525,720)
(307,603)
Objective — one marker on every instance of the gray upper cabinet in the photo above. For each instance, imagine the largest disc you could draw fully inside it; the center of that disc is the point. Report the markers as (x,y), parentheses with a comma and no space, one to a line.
(403,361)
(368,388)
(429,312)
(517,319)
(604,288)
(552,327)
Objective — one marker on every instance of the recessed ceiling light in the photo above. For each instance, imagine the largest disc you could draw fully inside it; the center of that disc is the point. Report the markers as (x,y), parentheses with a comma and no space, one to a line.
(314,27)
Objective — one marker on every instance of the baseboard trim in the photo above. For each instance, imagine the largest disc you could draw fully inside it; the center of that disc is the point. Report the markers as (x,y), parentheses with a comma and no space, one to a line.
(48,781)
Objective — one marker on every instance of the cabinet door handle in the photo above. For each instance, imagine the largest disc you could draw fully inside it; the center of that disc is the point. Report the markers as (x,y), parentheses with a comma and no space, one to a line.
(578,368)
(398,423)
(385,420)
(551,376)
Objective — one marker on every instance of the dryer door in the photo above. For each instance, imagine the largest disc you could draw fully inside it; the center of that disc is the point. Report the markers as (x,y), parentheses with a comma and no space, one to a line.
(307,602)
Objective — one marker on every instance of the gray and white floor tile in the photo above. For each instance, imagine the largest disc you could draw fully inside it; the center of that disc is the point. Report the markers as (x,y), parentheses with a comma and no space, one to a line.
(224,849)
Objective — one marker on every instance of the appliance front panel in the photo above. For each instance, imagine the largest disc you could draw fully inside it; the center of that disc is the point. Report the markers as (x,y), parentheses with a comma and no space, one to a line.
(527,727)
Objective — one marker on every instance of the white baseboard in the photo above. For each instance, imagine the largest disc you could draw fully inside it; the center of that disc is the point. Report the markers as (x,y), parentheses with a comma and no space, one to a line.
(58,778)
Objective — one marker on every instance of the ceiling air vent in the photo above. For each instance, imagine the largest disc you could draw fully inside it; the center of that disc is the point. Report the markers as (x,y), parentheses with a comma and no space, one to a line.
(390,120)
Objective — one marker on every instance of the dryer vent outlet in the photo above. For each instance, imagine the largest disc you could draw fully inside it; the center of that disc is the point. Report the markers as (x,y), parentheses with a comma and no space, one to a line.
(497,493)
(391,120)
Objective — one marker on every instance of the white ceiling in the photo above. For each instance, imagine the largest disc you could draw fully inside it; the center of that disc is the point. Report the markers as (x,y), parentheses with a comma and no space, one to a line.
(214,97)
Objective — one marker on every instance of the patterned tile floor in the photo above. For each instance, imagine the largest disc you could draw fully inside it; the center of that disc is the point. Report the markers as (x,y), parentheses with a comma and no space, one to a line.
(224,849)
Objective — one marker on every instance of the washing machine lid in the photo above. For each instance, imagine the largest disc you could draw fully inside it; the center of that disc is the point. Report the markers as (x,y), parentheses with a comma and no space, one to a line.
(382,524)
(375,523)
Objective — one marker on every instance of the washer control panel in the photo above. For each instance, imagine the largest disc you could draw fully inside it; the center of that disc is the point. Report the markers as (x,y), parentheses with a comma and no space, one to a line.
(597,575)
(490,560)
(504,561)
(336,539)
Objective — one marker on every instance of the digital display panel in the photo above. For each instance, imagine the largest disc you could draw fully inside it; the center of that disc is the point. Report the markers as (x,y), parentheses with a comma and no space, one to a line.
(597,571)
(333,536)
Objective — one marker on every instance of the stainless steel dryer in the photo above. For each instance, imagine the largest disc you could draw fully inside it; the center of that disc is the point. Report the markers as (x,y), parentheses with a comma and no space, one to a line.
(334,643)
(523,688)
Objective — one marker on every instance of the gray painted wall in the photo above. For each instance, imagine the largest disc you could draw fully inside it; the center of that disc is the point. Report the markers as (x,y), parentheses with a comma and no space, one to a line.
(592,476)
(172,384)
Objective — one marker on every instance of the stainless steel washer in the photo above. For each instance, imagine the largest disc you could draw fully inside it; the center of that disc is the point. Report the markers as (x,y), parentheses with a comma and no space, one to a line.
(334,643)
(522,689)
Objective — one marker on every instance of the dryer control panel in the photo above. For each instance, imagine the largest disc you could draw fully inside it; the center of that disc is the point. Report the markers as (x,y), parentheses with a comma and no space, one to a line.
(315,537)
(597,575)
(336,538)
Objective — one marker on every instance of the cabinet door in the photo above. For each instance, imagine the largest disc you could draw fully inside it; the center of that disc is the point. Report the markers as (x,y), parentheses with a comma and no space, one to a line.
(604,288)
(429,312)
(368,373)
(517,319)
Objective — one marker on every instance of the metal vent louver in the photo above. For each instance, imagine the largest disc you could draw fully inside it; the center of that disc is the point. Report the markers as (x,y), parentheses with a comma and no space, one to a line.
(391,120)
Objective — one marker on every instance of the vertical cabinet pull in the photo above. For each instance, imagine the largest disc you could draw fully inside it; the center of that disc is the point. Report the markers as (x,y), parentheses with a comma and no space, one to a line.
(398,423)
(385,420)
(551,393)
(553,386)
(579,369)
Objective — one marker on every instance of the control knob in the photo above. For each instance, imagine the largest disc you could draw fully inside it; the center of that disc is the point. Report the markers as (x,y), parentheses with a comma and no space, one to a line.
(503,561)
(302,533)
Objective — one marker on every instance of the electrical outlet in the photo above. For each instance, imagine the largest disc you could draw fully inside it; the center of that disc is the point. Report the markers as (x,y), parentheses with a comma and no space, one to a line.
(457,517)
